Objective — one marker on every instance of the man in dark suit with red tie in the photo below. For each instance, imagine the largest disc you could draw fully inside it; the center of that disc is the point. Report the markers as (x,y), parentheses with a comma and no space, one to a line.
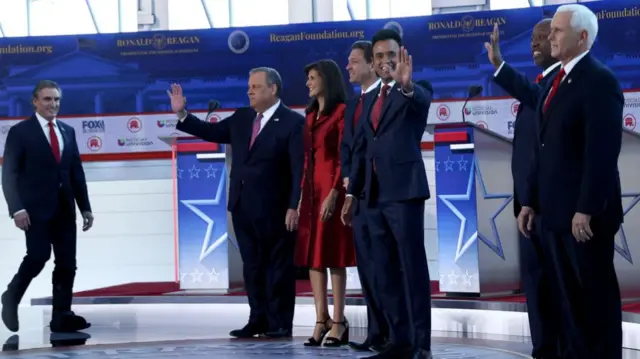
(361,72)
(268,160)
(574,178)
(535,267)
(388,166)
(42,180)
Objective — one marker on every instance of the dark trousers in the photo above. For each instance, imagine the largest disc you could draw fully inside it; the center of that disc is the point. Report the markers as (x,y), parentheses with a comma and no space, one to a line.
(397,231)
(267,251)
(588,292)
(59,233)
(377,328)
(543,310)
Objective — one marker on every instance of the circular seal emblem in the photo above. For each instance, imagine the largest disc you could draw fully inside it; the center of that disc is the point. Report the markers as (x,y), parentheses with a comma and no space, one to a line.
(94,143)
(134,125)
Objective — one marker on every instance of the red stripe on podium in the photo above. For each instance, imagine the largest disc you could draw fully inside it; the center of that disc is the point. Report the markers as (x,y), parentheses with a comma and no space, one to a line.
(448,137)
(197,147)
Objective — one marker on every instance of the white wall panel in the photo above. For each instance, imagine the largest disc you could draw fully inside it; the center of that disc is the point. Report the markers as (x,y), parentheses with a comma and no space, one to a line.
(132,239)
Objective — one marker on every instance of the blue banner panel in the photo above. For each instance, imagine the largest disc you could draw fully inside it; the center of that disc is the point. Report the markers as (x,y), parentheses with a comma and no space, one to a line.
(456,209)
(203,244)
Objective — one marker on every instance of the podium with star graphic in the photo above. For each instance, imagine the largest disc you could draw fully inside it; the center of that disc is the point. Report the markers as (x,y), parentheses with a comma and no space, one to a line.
(207,257)
(478,249)
(626,245)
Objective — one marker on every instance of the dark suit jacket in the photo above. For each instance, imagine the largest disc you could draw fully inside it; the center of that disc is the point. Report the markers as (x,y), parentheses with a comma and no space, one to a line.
(32,179)
(395,148)
(347,145)
(526,128)
(576,163)
(270,173)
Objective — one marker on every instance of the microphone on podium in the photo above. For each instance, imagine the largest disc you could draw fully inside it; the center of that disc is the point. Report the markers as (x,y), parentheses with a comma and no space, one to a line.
(212,106)
(474,90)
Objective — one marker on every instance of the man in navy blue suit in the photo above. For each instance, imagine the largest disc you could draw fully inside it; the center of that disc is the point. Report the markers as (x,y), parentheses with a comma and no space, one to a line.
(361,72)
(42,180)
(388,167)
(268,160)
(574,178)
(535,267)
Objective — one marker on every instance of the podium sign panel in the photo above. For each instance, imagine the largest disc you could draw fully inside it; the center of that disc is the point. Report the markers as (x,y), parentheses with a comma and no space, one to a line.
(478,249)
(202,223)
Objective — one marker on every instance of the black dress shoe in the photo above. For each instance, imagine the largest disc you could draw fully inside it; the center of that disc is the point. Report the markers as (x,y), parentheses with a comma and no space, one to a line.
(10,313)
(277,334)
(248,331)
(68,322)
(422,354)
(369,345)
(395,353)
(63,340)
(361,347)
(12,344)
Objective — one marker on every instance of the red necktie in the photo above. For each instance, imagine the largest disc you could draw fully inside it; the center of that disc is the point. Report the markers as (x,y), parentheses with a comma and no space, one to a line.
(539,78)
(376,113)
(55,146)
(556,83)
(356,115)
(256,129)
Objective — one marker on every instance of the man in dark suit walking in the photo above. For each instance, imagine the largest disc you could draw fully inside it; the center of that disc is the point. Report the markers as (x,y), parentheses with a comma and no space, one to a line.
(361,72)
(264,191)
(388,167)
(42,180)
(576,180)
(535,267)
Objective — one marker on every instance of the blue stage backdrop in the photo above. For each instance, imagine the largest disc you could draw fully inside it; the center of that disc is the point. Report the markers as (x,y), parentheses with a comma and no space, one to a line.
(130,72)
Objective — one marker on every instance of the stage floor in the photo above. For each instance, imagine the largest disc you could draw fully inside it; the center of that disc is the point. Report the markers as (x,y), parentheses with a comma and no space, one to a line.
(157,331)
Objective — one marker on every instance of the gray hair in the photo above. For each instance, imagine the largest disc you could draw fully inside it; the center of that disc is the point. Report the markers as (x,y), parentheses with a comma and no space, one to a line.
(44,84)
(582,19)
(273,77)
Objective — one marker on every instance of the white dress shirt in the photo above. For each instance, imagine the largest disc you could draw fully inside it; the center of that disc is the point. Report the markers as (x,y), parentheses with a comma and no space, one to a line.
(44,125)
(371,88)
(266,116)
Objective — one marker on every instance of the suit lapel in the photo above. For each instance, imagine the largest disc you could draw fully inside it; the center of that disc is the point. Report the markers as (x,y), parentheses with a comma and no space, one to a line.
(41,138)
(350,112)
(390,105)
(267,130)
(65,140)
(567,84)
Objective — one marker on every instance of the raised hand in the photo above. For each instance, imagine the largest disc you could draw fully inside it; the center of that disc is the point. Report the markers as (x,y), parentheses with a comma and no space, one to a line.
(404,69)
(493,47)
(178,101)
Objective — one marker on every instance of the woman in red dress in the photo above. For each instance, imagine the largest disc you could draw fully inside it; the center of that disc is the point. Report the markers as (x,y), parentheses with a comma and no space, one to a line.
(323,241)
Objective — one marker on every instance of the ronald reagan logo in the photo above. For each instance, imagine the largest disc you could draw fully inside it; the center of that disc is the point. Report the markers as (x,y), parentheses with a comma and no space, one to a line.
(480,111)
(482,125)
(515,106)
(136,142)
(94,143)
(134,125)
(629,122)
(166,123)
(443,112)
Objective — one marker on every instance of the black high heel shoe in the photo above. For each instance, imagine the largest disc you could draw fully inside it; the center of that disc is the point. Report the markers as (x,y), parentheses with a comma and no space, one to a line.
(332,342)
(313,342)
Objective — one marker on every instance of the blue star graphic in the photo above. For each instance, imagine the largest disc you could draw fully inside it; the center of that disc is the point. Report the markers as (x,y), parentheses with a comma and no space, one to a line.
(207,246)
(623,248)
(463,244)
(497,246)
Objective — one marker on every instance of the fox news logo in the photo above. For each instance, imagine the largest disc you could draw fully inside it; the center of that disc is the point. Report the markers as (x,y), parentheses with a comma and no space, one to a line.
(511,129)
(93,126)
